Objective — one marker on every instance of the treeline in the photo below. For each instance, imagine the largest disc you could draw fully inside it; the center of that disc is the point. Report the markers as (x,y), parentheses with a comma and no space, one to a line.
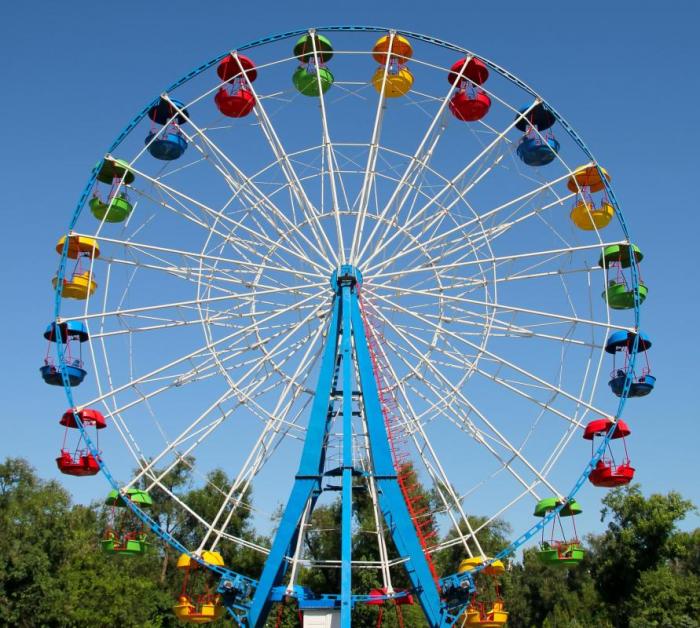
(641,571)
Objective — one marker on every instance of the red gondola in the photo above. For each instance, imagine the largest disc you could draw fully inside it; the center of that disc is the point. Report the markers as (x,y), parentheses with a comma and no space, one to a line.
(377,597)
(607,473)
(235,99)
(476,71)
(79,460)
(469,103)
(470,107)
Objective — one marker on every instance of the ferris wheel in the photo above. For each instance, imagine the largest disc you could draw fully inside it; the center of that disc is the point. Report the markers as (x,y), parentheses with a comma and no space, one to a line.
(344,260)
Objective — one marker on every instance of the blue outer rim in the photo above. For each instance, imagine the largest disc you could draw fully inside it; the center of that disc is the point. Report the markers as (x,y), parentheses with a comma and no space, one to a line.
(522,539)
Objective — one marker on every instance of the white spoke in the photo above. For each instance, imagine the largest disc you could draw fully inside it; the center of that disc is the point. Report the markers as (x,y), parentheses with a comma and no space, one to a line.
(219,215)
(368,179)
(450,185)
(140,246)
(328,148)
(243,394)
(200,350)
(458,394)
(298,290)
(500,359)
(259,199)
(264,446)
(288,170)
(441,482)
(459,230)
(418,162)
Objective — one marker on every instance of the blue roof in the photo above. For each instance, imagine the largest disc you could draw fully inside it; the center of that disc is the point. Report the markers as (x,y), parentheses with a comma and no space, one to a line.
(71,329)
(163,111)
(620,339)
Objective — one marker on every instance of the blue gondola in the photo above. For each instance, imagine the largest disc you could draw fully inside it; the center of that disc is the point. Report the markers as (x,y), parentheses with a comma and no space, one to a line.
(166,144)
(169,142)
(640,387)
(69,333)
(166,112)
(534,150)
(622,342)
(71,329)
(539,117)
(51,374)
(538,147)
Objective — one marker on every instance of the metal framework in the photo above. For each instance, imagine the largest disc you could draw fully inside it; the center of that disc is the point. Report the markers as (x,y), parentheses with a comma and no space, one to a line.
(271,324)
(346,350)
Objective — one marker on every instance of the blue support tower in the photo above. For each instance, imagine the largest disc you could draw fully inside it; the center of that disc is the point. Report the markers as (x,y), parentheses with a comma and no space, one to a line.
(346,540)
(346,352)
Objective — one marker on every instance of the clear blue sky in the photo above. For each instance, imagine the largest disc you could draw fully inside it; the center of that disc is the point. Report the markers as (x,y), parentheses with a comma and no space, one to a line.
(623,73)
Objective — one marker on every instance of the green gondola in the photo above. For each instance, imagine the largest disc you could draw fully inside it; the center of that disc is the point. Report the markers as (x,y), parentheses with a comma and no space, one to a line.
(564,553)
(307,81)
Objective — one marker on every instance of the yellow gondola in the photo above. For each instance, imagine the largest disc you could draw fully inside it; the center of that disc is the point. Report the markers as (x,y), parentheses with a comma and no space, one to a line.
(481,614)
(395,77)
(397,84)
(79,246)
(494,568)
(80,286)
(401,49)
(587,213)
(204,613)
(193,607)
(494,617)
(211,558)
(587,177)
(586,216)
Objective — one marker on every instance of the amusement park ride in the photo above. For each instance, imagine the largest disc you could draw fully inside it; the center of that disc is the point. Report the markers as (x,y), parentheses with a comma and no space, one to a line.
(347,294)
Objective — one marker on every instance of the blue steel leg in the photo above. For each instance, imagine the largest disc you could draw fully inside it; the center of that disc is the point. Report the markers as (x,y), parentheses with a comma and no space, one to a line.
(346,541)
(391,500)
(308,478)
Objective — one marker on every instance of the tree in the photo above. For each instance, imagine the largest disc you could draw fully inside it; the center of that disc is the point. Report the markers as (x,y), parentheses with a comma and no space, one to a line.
(641,572)
(94,588)
(53,573)
(642,536)
(492,539)
(322,542)
(51,569)
(166,511)
(663,597)
(539,595)
(205,500)
(34,521)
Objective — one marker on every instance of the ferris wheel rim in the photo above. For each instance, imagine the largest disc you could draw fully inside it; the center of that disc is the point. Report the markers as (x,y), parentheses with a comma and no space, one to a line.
(132,124)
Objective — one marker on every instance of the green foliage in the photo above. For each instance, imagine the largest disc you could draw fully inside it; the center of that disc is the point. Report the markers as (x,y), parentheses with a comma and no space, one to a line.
(663,597)
(90,578)
(539,595)
(492,538)
(51,569)
(323,543)
(641,536)
(53,573)
(640,572)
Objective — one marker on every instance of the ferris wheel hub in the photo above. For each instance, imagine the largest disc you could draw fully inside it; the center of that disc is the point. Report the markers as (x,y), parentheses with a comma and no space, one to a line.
(345,275)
